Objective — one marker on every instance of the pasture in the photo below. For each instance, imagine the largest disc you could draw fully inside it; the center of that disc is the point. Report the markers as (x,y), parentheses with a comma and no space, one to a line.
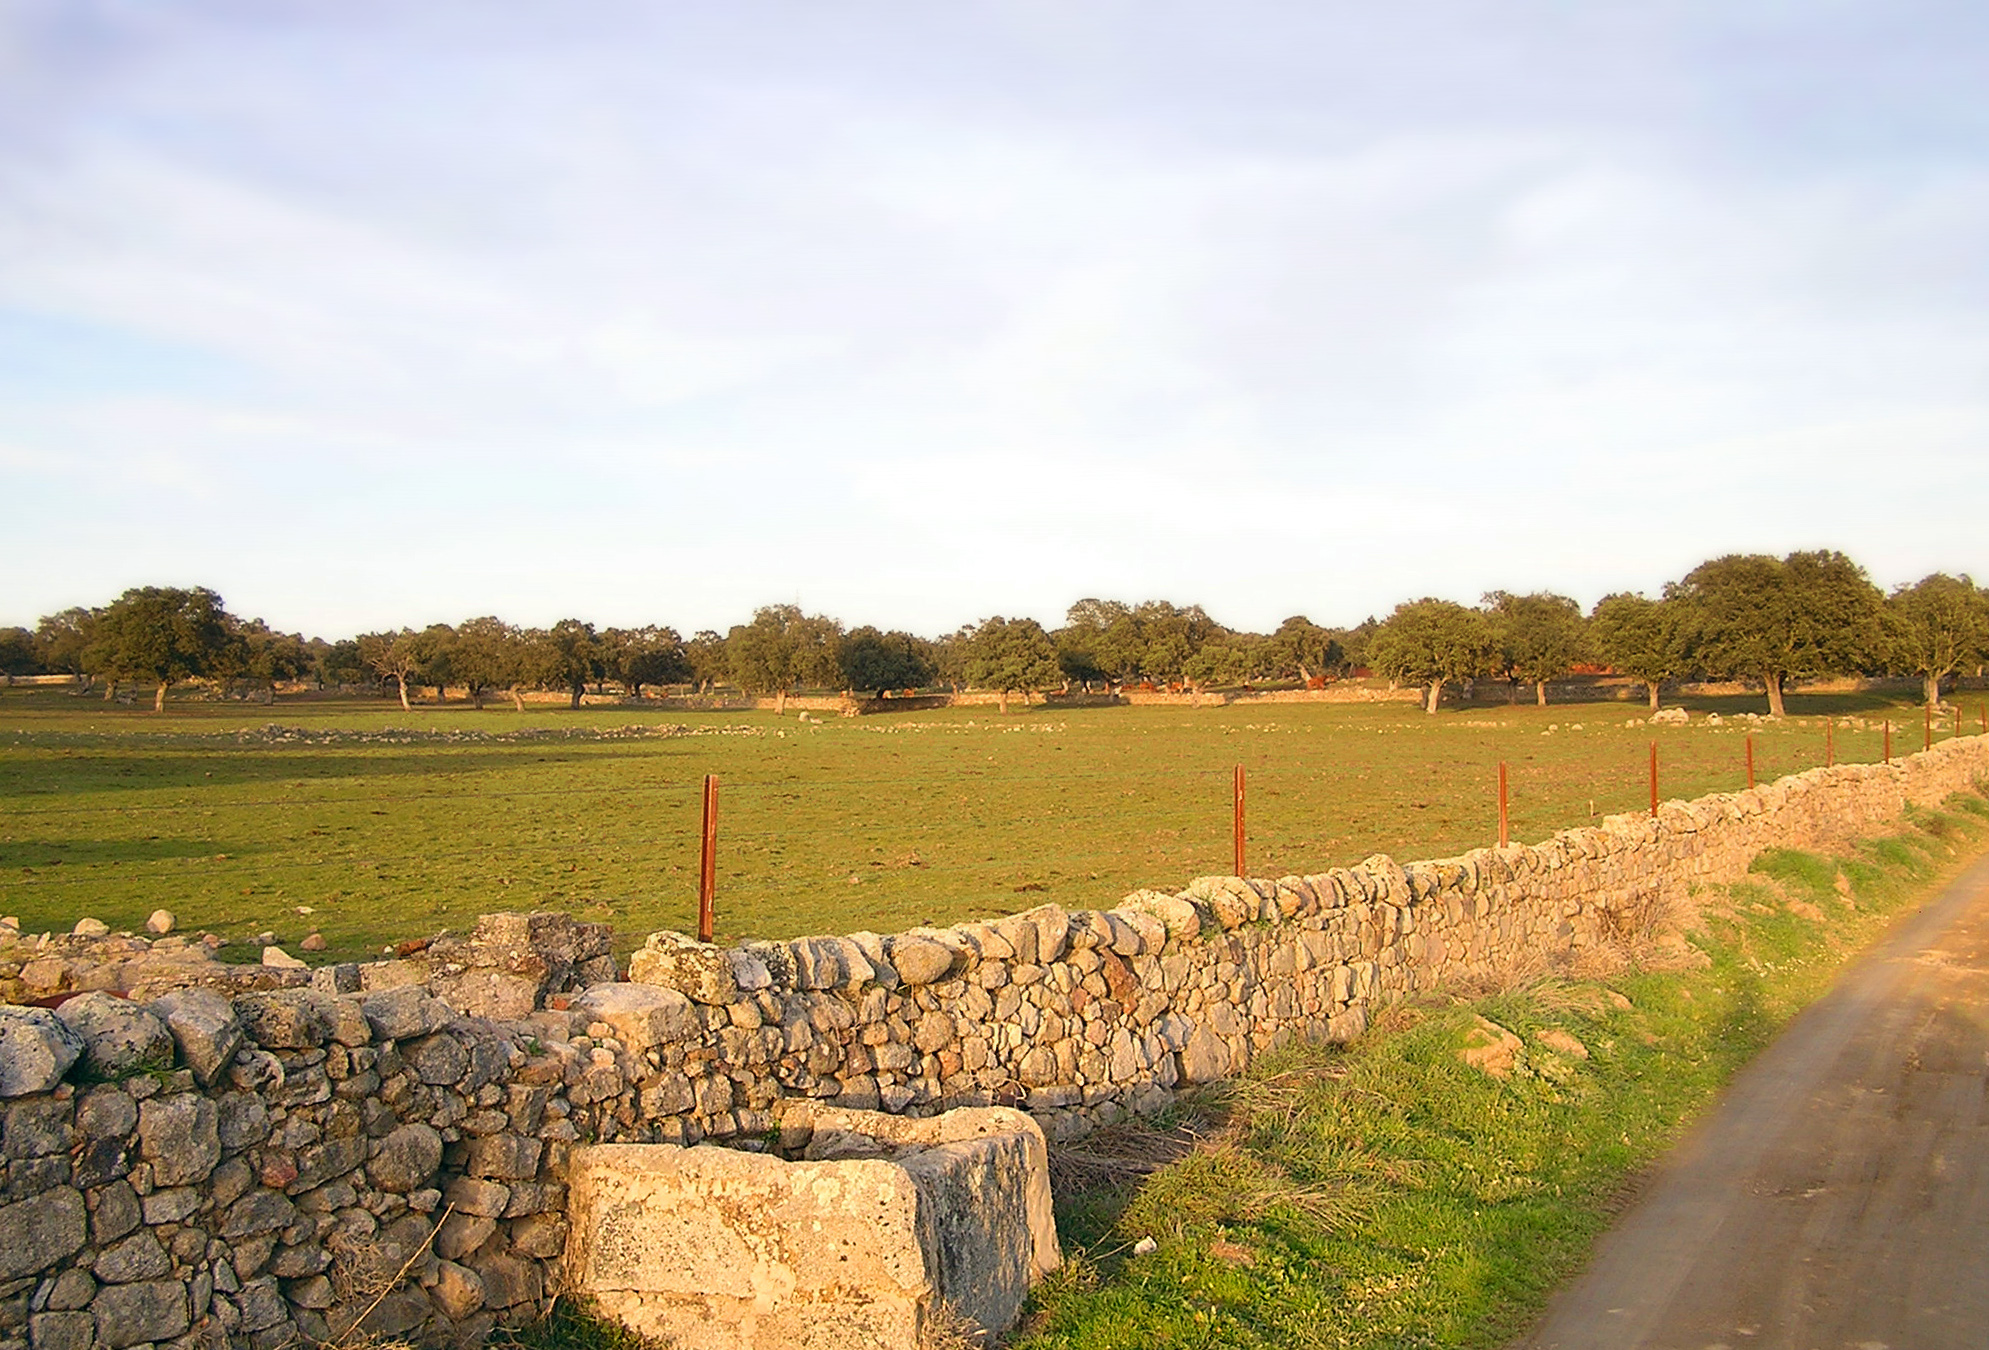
(371,825)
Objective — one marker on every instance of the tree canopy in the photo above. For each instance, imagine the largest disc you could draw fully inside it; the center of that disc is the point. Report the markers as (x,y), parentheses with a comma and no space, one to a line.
(1433,642)
(1541,636)
(1811,613)
(1008,655)
(160,635)
(1642,638)
(1935,627)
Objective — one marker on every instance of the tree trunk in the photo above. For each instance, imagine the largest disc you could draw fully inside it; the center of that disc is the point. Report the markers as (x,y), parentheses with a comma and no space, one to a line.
(110,690)
(517,698)
(1436,692)
(1540,692)
(1774,682)
(1003,699)
(780,701)
(576,692)
(405,705)
(159,699)
(1931,685)
(476,698)
(1652,685)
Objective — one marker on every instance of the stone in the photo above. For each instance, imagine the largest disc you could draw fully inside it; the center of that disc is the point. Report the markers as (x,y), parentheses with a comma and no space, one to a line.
(106,1112)
(457,1291)
(204,1027)
(62,1331)
(134,1314)
(1207,1057)
(508,1281)
(697,970)
(37,1127)
(41,1230)
(438,1060)
(277,959)
(461,1234)
(934,1032)
(91,928)
(115,1211)
(73,1289)
(119,1037)
(36,1049)
(261,1303)
(161,922)
(509,1157)
(484,1199)
(406,1159)
(643,1016)
(286,1019)
(260,1211)
(138,1257)
(404,1013)
(1490,1048)
(719,1247)
(180,1137)
(314,942)
(1562,1043)
(920,960)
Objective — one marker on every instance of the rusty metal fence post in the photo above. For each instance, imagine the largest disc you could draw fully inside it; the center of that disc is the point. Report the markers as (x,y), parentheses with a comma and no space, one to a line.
(1505,820)
(1239,820)
(708,858)
(1653,779)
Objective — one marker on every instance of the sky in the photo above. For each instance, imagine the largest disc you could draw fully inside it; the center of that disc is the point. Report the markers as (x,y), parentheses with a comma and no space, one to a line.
(373,314)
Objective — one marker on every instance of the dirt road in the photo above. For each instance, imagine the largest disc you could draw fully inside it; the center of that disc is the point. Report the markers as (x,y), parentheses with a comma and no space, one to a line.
(1838,1197)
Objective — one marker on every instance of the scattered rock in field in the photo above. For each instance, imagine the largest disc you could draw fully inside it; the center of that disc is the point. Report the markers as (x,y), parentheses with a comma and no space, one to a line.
(1490,1048)
(161,922)
(89,927)
(314,943)
(1145,1245)
(1803,909)
(119,1037)
(1563,1043)
(280,959)
(1670,717)
(1619,1000)
(265,939)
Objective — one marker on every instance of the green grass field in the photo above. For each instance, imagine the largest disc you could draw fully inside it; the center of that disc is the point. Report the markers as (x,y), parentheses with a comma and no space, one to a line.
(385,824)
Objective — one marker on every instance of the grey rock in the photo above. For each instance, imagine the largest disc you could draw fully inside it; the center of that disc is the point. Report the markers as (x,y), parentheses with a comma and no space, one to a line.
(920,960)
(438,1060)
(643,1015)
(161,923)
(285,1019)
(243,1120)
(37,1127)
(41,1230)
(175,1204)
(36,1049)
(509,1281)
(73,1289)
(697,970)
(485,1199)
(404,1013)
(458,1290)
(116,1210)
(120,1037)
(314,1291)
(204,1027)
(179,1136)
(132,1314)
(106,1112)
(138,1257)
(406,1159)
(506,1157)
(62,1331)
(461,1234)
(91,927)
(260,1211)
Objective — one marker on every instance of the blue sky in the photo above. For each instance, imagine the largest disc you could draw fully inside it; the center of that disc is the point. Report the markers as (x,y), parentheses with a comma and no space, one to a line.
(368,314)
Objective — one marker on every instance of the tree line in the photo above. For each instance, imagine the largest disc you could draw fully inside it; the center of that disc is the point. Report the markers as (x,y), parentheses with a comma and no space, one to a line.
(1749,616)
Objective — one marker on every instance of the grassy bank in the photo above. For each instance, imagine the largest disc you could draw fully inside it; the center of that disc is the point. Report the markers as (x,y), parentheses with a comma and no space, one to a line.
(1390,1194)
(372,824)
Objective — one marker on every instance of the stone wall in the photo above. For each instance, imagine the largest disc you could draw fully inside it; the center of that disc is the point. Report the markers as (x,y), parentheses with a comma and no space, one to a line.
(199,1154)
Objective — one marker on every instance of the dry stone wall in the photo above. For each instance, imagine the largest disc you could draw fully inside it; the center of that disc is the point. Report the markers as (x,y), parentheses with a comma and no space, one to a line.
(193,1154)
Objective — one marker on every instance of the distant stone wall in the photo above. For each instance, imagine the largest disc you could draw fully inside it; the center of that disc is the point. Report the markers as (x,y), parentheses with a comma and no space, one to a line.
(246,1156)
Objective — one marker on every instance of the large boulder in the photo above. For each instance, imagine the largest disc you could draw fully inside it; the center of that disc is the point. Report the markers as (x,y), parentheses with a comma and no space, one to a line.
(697,970)
(120,1037)
(36,1049)
(643,1016)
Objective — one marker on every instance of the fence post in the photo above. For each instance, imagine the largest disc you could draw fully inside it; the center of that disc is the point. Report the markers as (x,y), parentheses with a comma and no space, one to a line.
(1505,821)
(1928,744)
(1750,759)
(1654,779)
(1829,741)
(1888,740)
(708,858)
(1239,820)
